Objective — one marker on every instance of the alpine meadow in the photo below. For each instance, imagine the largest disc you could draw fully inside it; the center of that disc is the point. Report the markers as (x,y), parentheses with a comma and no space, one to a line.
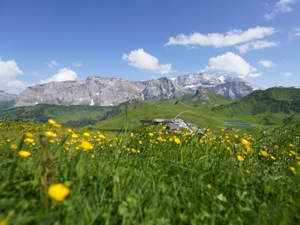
(199,123)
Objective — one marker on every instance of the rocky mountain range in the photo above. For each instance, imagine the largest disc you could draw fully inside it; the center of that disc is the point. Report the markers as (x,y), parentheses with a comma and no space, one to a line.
(108,91)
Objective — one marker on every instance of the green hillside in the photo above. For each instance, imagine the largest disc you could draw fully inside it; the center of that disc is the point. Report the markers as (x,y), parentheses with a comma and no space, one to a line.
(4,105)
(69,115)
(203,116)
(273,100)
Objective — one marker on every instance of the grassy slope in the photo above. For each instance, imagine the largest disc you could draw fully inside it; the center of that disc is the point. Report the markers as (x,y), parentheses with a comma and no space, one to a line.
(201,115)
(4,105)
(273,100)
(269,107)
(64,114)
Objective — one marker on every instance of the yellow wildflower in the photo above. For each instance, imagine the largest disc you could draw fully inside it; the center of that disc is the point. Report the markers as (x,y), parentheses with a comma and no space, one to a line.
(28,135)
(28,140)
(292,169)
(52,141)
(85,145)
(50,134)
(13,146)
(263,153)
(54,123)
(151,134)
(70,130)
(240,158)
(74,136)
(24,154)
(58,192)
(86,134)
(177,140)
(102,136)
(247,145)
(209,186)
(160,139)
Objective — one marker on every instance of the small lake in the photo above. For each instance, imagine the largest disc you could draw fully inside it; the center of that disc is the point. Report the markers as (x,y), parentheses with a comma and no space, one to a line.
(238,124)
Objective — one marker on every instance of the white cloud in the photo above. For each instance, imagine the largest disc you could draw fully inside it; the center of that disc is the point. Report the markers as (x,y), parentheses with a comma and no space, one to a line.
(232,63)
(52,63)
(254,45)
(266,63)
(287,74)
(218,40)
(140,59)
(63,74)
(280,7)
(9,71)
(297,32)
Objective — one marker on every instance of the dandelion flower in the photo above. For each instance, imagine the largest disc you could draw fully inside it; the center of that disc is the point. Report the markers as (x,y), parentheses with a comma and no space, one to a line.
(58,192)
(240,158)
(13,146)
(24,154)
(263,153)
(176,140)
(85,145)
(86,134)
(28,140)
(28,135)
(50,134)
(292,169)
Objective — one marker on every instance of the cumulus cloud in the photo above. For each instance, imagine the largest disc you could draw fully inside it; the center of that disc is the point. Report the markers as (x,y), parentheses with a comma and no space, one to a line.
(255,45)
(140,59)
(63,74)
(287,74)
(219,40)
(280,7)
(266,63)
(52,63)
(9,72)
(232,63)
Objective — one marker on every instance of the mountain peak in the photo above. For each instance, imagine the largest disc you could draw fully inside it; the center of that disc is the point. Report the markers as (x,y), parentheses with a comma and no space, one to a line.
(107,91)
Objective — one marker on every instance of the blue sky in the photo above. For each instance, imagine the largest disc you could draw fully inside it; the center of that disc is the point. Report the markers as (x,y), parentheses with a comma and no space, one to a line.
(44,41)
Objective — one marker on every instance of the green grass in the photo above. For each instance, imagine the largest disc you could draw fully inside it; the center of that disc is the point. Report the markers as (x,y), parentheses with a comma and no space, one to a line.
(166,183)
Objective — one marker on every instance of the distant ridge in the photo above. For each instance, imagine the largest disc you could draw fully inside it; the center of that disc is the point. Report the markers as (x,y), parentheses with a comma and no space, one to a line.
(272,100)
(111,91)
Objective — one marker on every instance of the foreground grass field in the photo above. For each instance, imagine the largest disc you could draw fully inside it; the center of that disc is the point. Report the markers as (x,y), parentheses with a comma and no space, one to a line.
(54,175)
